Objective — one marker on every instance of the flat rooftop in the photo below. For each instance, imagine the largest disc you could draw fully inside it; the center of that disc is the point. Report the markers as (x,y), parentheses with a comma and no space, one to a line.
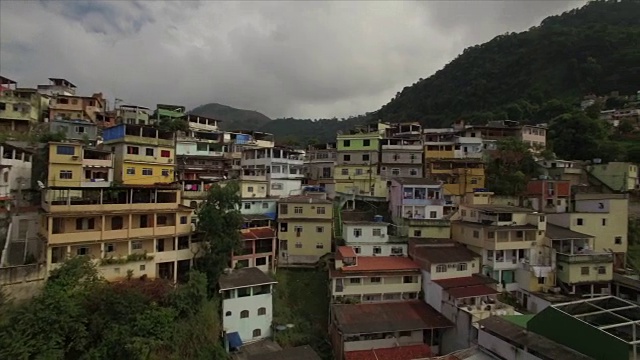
(444,254)
(555,232)
(245,277)
(387,317)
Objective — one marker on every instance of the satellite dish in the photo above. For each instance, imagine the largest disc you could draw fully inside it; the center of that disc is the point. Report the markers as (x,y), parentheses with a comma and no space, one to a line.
(40,184)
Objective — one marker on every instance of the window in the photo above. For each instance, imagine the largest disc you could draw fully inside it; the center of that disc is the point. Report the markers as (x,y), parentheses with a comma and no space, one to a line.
(580,221)
(262,311)
(417,233)
(377,232)
(354,281)
(183,220)
(357,249)
(359,171)
(131,171)
(541,280)
(82,251)
(228,313)
(407,279)
(395,172)
(413,172)
(462,267)
(257,332)
(618,240)
(143,267)
(365,157)
(276,186)
(397,250)
(319,229)
(80,129)
(297,210)
(319,246)
(298,245)
(602,270)
(476,234)
(604,222)
(116,223)
(344,171)
(65,150)
(261,261)
(297,230)
(366,142)
(433,214)
(85,224)
(346,143)
(250,188)
(375,280)
(66,174)
(147,171)
(377,250)
(133,150)
(165,153)
(584,270)
(441,268)
(109,248)
(357,232)
(346,157)
(149,151)
(265,205)
(247,206)
(165,172)
(244,314)
(320,210)
(162,220)
(284,209)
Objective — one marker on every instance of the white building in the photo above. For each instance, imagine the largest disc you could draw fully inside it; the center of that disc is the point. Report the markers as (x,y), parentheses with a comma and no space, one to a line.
(247,305)
(371,238)
(15,170)
(284,168)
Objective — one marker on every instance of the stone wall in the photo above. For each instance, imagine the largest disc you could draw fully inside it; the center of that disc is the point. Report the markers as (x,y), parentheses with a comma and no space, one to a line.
(22,282)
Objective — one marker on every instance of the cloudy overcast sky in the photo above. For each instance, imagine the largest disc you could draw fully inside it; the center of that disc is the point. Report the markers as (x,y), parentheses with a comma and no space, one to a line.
(298,59)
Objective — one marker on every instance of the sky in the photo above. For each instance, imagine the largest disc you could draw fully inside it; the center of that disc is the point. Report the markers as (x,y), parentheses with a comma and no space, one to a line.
(285,59)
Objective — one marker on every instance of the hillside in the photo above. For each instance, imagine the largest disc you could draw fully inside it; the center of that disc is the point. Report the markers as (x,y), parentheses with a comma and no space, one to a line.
(310,131)
(594,49)
(232,118)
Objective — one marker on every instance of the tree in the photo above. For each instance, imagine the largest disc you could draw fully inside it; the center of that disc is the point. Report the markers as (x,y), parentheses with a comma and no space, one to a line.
(219,221)
(576,136)
(626,126)
(510,167)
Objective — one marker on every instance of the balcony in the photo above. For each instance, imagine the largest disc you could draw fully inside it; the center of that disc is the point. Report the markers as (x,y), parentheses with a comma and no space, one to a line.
(423,202)
(95,183)
(601,258)
(406,147)
(104,163)
(82,200)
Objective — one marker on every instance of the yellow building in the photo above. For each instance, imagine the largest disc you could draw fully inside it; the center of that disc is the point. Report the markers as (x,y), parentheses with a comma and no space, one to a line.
(127,231)
(254,184)
(503,236)
(373,278)
(304,229)
(143,155)
(20,108)
(428,228)
(460,176)
(73,164)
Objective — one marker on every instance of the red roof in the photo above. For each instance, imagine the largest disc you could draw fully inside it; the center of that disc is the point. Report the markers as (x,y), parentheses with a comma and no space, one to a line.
(378,263)
(346,252)
(409,352)
(463,281)
(471,291)
(258,233)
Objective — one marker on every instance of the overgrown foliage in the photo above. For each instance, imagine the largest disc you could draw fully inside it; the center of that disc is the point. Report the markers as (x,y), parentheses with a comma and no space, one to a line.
(218,222)
(80,316)
(510,167)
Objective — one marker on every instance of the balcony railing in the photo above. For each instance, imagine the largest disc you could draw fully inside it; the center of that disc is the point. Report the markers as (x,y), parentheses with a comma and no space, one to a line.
(584,258)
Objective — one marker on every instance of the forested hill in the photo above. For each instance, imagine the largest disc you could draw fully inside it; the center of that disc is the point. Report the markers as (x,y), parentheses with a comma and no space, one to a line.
(594,49)
(232,118)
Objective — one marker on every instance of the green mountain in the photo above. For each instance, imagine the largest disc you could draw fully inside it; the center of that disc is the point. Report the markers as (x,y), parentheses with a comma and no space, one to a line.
(531,76)
(594,49)
(232,118)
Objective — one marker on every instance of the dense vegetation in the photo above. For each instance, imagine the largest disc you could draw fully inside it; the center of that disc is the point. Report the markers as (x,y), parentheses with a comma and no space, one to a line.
(80,316)
(232,118)
(523,76)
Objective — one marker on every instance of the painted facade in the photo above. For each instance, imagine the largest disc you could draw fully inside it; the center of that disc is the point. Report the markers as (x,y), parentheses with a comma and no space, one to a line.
(619,176)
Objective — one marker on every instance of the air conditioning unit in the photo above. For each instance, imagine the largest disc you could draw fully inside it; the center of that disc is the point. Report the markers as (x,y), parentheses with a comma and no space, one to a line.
(74,157)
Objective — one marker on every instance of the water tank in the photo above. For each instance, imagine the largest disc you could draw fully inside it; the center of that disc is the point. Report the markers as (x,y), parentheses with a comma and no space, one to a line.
(378,218)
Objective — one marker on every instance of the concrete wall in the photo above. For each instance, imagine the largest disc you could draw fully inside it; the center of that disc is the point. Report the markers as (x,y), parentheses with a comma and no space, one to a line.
(246,326)
(395,340)
(22,282)
(385,249)
(432,291)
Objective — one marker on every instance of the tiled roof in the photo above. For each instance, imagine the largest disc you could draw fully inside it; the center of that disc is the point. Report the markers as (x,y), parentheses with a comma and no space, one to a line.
(346,252)
(258,233)
(409,352)
(244,277)
(378,263)
(305,199)
(463,281)
(444,254)
(471,291)
(555,232)
(387,317)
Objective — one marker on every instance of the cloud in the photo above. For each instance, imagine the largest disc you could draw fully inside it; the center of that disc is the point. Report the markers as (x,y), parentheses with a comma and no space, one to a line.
(300,59)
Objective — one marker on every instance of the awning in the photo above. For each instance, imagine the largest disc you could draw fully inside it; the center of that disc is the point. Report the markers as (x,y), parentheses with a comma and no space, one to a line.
(234,340)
